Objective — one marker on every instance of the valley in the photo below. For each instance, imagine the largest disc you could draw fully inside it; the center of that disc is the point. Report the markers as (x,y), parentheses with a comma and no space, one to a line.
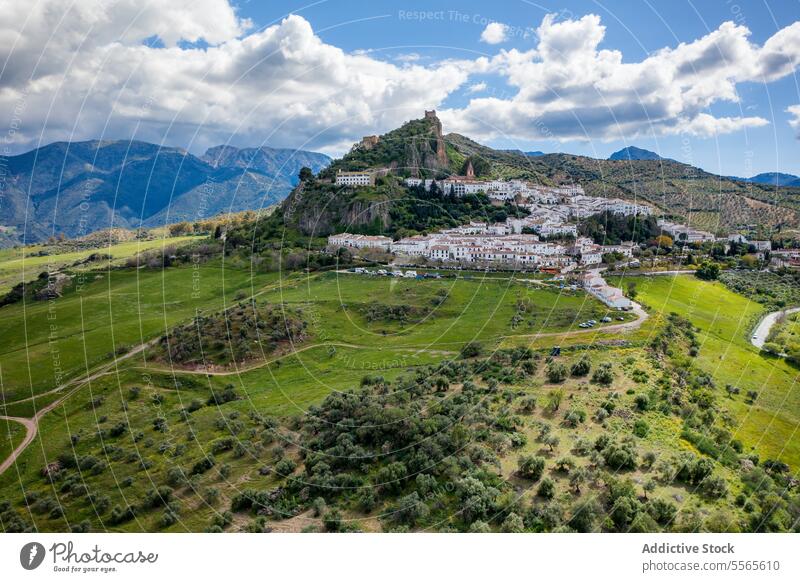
(423,336)
(172,448)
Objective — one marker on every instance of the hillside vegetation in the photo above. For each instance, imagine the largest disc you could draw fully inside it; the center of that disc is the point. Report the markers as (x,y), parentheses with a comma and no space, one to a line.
(705,200)
(240,334)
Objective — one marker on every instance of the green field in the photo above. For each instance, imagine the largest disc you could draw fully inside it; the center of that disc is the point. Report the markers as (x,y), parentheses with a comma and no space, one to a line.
(11,434)
(473,310)
(46,343)
(726,320)
(142,423)
(22,264)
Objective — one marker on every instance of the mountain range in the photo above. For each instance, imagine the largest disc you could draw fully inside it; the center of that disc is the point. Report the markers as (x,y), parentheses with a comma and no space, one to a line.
(79,187)
(634,153)
(777,179)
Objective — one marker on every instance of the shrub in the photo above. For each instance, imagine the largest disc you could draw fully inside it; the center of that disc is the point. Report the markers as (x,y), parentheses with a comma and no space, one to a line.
(554,398)
(332,521)
(410,509)
(285,467)
(708,271)
(472,350)
(556,372)
(603,374)
(641,428)
(582,367)
(513,524)
(620,457)
(527,404)
(203,465)
(574,417)
(547,489)
(530,467)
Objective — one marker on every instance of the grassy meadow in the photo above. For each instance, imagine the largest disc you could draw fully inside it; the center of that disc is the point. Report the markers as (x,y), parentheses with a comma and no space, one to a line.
(22,264)
(145,446)
(725,319)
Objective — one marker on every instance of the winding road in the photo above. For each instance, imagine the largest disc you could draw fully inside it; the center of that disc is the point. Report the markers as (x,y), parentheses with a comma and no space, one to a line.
(761,332)
(32,424)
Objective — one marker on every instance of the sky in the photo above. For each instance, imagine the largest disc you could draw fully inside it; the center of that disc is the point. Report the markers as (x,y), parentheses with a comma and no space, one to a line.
(713,83)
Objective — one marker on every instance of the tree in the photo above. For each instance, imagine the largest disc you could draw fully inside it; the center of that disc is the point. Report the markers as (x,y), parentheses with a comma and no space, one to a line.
(708,271)
(547,489)
(556,372)
(582,367)
(306,174)
(749,261)
(632,292)
(513,524)
(577,478)
(603,374)
(472,350)
(551,441)
(530,467)
(410,509)
(585,514)
(648,487)
(554,398)
(663,241)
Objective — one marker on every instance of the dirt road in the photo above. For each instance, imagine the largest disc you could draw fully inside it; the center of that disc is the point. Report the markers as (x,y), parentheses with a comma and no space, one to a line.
(32,424)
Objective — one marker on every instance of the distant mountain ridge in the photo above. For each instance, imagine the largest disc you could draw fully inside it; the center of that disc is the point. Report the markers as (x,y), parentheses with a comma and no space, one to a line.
(773,179)
(634,153)
(78,187)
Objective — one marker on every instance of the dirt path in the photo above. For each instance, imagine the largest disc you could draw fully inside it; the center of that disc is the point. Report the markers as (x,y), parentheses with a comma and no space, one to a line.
(32,424)
(30,434)
(641,317)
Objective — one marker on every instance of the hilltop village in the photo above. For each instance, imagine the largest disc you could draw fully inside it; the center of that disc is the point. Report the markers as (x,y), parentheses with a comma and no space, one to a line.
(547,238)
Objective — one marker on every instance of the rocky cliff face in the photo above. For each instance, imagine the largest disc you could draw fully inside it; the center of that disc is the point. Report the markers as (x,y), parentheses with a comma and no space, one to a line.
(322,209)
(417,148)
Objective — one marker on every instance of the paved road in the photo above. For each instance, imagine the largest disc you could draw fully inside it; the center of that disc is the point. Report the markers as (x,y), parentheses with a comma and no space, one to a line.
(761,332)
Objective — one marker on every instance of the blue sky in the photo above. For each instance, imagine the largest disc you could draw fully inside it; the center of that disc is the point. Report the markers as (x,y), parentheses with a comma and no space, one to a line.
(637,28)
(710,83)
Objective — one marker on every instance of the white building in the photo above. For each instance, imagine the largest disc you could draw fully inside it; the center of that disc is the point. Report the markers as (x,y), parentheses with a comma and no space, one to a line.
(365,178)
(629,208)
(683,233)
(359,241)
(414,246)
(625,249)
(594,283)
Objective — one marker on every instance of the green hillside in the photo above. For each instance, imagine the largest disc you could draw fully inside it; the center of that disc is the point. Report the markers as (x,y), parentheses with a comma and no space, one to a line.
(398,405)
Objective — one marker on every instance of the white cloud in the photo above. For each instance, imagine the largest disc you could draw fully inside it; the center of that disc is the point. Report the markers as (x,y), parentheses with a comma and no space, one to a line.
(283,84)
(80,69)
(570,88)
(494,33)
(794,123)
